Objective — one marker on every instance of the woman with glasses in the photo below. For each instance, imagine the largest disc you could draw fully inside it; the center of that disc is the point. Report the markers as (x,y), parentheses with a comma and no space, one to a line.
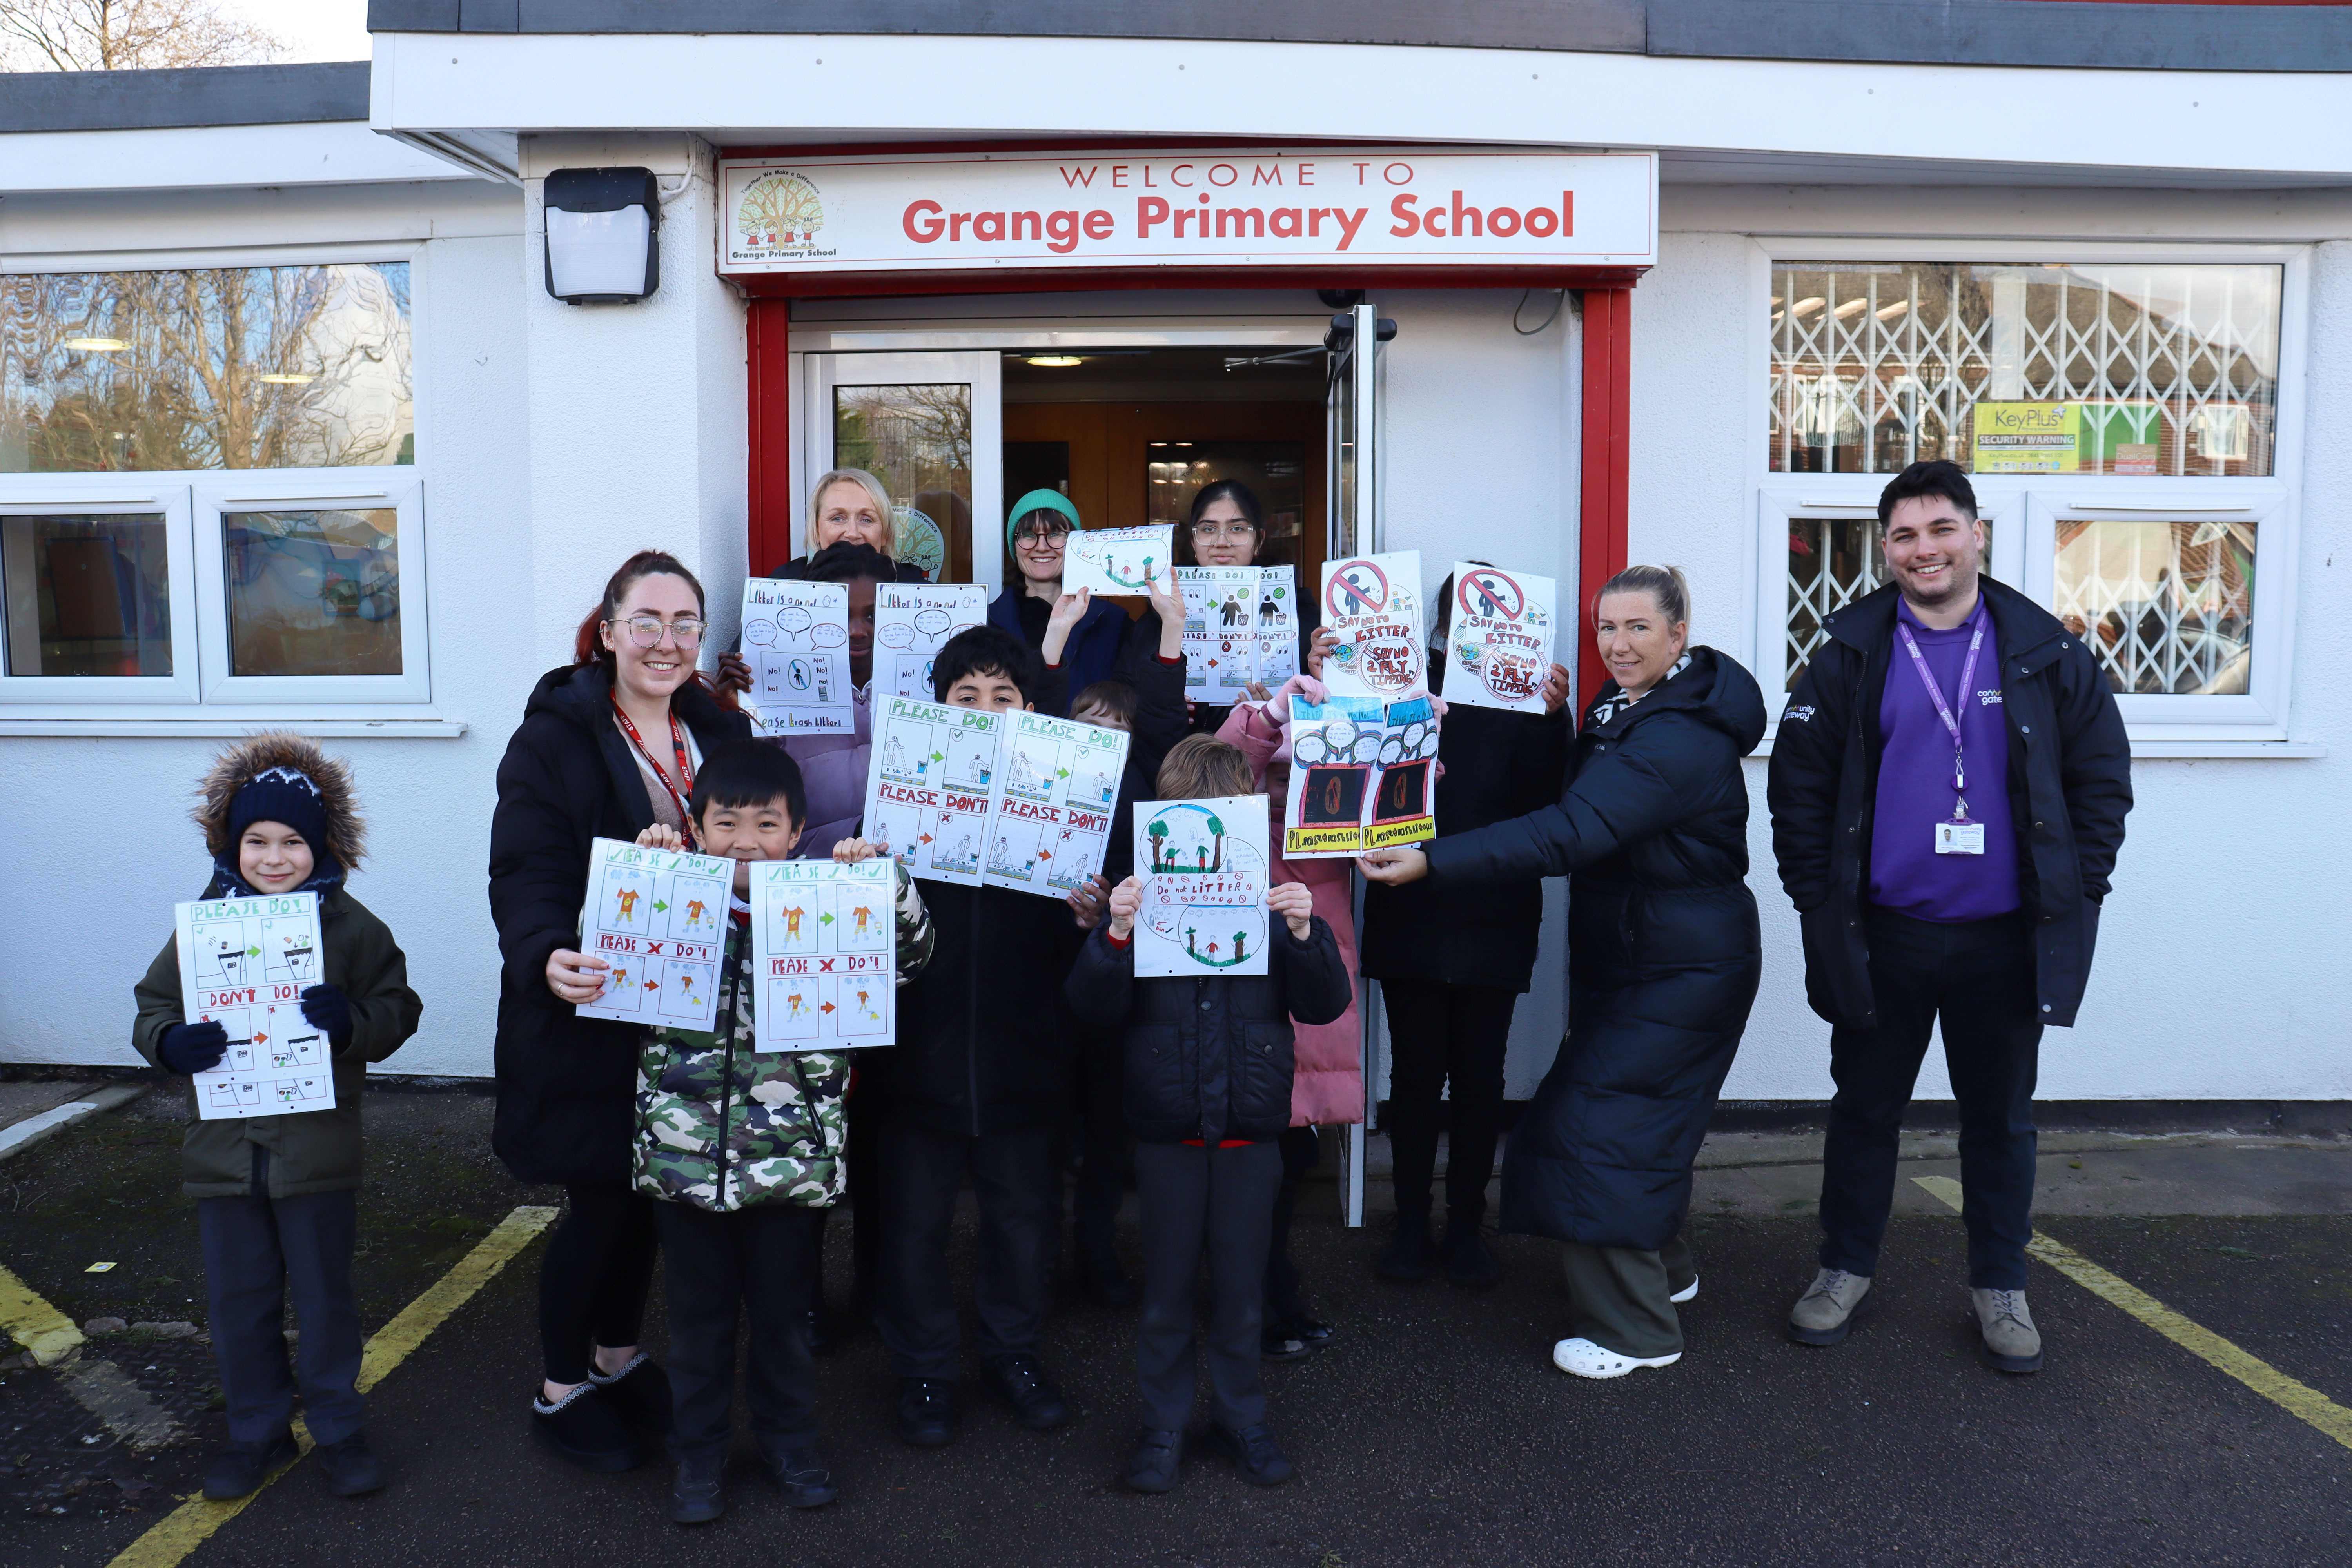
(608,746)
(1086,639)
(850,506)
(1228,529)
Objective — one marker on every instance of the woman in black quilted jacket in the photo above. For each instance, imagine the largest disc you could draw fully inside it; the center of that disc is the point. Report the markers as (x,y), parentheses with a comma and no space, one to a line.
(1663,957)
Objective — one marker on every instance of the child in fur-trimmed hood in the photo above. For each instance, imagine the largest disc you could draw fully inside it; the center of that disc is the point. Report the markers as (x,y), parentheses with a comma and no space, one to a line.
(276,1196)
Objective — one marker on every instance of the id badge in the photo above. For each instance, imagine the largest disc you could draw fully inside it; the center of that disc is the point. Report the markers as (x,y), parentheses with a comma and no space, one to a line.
(1960,838)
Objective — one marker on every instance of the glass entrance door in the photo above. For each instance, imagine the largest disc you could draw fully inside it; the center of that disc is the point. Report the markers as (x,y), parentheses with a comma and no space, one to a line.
(930,426)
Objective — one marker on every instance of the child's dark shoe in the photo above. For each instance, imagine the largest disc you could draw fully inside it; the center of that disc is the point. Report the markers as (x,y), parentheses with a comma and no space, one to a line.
(638,1394)
(699,1495)
(1469,1262)
(1405,1259)
(1022,1383)
(822,1339)
(800,1474)
(1254,1454)
(239,1469)
(351,1468)
(1153,1467)
(1276,1342)
(584,1429)
(927,1411)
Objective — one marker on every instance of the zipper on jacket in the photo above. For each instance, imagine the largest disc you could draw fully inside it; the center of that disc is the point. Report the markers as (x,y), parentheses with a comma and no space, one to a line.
(808,1099)
(727,1069)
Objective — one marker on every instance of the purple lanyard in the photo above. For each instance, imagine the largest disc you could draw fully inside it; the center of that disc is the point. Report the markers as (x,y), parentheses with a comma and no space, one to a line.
(1943,709)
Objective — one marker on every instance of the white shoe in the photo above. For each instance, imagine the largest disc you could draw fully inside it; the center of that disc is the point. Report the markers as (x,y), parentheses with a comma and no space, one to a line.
(1585,1359)
(1687,1293)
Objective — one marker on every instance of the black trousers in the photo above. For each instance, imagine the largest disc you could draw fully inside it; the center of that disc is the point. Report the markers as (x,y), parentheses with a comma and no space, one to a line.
(862,1164)
(1104,1148)
(593,1280)
(1975,978)
(257,1248)
(922,1171)
(1286,1294)
(760,1259)
(1216,1204)
(1437,1035)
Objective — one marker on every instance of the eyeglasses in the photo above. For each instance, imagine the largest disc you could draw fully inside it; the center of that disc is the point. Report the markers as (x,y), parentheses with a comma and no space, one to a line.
(646,631)
(1226,531)
(1042,541)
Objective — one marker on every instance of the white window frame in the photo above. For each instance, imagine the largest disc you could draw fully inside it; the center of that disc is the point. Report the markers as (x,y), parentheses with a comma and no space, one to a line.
(2024,554)
(200,694)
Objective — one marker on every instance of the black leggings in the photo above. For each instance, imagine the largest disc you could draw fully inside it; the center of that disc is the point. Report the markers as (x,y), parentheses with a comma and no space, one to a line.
(1437,1034)
(593,1281)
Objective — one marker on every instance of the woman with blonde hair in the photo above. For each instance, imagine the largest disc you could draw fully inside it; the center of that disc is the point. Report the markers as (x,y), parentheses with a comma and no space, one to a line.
(851,506)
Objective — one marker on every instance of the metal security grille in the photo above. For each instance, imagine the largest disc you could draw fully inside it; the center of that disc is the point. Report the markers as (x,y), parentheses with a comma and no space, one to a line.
(2168,607)
(1879,364)
(1832,561)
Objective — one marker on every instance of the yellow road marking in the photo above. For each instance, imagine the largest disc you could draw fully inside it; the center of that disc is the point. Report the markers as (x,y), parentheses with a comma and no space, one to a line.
(188,1526)
(29,1319)
(2297,1399)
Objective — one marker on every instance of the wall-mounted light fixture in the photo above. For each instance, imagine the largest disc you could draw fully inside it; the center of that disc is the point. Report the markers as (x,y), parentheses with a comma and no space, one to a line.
(603,231)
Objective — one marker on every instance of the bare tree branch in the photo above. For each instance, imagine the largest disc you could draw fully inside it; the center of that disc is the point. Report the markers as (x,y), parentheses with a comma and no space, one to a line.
(127,35)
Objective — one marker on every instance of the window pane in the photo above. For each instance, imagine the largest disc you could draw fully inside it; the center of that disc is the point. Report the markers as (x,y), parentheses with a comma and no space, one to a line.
(1832,562)
(313,593)
(249,367)
(917,440)
(2167,606)
(2025,368)
(87,595)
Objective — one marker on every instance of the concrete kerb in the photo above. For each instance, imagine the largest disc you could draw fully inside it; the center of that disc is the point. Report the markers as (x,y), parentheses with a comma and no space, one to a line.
(23,1134)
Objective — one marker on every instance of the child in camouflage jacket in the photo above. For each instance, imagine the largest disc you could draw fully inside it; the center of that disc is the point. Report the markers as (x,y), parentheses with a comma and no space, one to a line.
(744,1149)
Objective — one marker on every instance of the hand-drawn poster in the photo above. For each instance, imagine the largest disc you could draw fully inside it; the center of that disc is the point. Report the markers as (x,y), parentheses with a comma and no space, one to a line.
(1241,625)
(911,621)
(1118,559)
(243,965)
(1204,865)
(1360,777)
(1051,823)
(1501,639)
(931,786)
(1373,603)
(796,640)
(824,954)
(659,919)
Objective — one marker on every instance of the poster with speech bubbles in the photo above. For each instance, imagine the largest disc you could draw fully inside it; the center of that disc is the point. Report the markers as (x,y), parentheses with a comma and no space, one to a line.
(1372,603)
(1203,867)
(911,621)
(243,965)
(1363,776)
(796,640)
(1500,643)
(658,919)
(824,954)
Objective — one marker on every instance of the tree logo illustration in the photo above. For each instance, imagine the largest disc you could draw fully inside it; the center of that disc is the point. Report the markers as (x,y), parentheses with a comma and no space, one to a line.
(780,212)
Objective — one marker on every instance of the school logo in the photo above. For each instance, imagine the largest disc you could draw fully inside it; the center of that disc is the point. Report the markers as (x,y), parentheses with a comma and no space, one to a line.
(779,214)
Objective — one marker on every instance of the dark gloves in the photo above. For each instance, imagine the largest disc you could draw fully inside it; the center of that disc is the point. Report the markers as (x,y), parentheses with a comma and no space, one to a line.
(328,1009)
(191,1048)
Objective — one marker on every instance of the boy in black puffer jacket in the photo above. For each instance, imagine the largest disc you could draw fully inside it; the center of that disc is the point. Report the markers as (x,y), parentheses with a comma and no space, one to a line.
(1208,1096)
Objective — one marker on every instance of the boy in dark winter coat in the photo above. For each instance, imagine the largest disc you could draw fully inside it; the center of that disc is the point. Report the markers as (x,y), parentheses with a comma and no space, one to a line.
(978,1082)
(744,1150)
(276,1196)
(1208,1096)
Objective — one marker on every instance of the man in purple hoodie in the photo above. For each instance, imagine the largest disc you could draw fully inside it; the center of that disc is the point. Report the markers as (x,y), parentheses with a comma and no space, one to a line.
(1947,788)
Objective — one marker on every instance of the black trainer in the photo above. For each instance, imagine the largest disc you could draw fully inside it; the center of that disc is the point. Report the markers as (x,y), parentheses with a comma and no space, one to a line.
(1153,1467)
(1406,1257)
(1022,1383)
(1253,1453)
(699,1495)
(927,1411)
(1276,1342)
(351,1466)
(585,1429)
(638,1394)
(800,1474)
(1469,1262)
(239,1469)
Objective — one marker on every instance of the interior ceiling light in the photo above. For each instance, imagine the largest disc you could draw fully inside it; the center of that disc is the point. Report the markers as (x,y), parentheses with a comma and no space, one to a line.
(96,345)
(289,380)
(1054,362)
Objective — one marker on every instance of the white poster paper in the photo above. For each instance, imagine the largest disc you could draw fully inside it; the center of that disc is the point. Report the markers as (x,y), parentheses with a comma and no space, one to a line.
(243,965)
(931,786)
(1203,866)
(1052,826)
(659,918)
(796,640)
(1501,640)
(1360,777)
(824,954)
(1241,625)
(1373,603)
(1118,559)
(911,621)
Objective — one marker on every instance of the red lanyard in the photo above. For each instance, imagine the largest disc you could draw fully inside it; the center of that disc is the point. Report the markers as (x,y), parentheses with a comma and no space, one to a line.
(685,768)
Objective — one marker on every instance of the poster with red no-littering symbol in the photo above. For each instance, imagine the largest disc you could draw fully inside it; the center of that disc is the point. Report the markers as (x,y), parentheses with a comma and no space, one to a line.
(1372,604)
(1501,638)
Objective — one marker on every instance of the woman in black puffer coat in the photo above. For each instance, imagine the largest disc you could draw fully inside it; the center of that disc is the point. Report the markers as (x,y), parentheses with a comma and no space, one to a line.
(1663,958)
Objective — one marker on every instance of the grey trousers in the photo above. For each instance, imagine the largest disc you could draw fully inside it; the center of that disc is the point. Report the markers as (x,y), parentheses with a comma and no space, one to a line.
(257,1249)
(1217,1202)
(1618,1296)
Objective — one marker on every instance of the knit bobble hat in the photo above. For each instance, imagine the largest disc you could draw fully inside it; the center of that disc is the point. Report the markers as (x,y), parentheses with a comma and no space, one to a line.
(282,794)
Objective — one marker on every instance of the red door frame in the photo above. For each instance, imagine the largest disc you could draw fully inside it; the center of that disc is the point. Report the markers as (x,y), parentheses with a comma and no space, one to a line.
(1607,402)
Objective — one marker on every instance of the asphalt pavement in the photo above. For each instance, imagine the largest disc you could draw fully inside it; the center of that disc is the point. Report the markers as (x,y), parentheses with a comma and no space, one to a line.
(1434,1431)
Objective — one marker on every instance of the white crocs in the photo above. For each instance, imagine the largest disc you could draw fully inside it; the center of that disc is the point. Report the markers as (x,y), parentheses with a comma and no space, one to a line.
(1582,1358)
(1687,1293)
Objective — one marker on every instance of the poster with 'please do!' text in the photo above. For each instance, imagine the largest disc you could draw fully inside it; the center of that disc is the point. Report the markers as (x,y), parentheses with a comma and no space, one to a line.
(658,918)
(243,965)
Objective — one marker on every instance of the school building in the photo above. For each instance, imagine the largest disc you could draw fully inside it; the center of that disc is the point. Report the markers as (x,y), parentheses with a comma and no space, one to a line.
(330,395)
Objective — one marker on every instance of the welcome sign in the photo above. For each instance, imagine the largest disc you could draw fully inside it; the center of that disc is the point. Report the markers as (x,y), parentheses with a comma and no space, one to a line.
(1210,207)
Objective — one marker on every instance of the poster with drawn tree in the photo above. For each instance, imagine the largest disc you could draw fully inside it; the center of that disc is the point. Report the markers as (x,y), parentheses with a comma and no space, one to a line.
(1203,867)
(1118,559)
